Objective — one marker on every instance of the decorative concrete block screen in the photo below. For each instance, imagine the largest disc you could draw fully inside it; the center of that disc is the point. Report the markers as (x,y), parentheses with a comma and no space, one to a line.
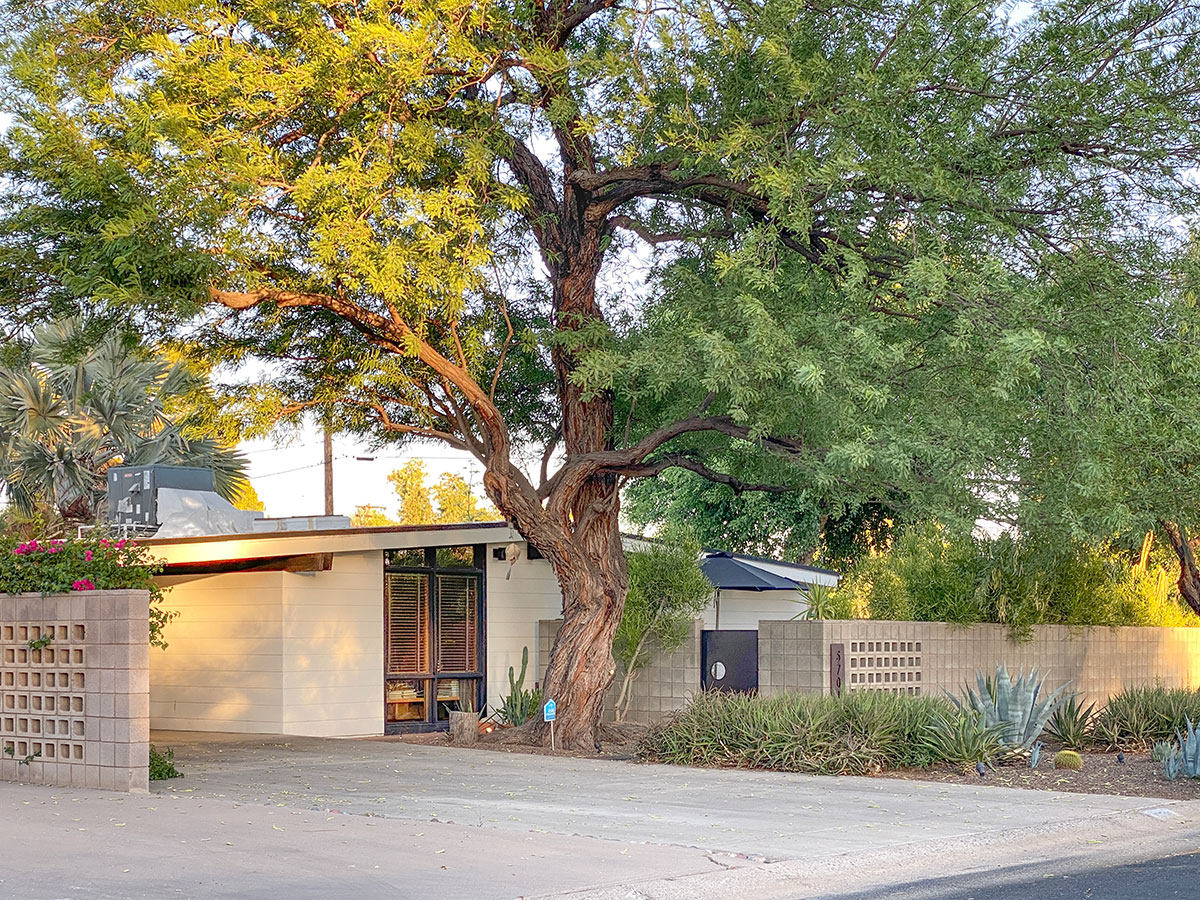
(75,689)
(929,657)
(661,687)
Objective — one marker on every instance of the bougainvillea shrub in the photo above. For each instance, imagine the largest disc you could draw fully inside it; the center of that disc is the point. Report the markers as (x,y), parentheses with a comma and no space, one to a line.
(86,564)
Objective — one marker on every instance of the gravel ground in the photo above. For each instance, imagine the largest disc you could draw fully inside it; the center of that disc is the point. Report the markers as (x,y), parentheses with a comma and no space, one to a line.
(1138,776)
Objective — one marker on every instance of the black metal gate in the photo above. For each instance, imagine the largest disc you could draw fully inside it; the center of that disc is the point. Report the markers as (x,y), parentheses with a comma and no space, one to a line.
(729,660)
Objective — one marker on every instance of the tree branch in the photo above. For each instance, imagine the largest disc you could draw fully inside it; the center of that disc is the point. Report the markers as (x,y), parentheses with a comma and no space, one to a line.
(683,461)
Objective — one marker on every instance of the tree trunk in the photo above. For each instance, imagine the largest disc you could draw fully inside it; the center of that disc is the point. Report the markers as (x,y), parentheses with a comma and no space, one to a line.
(581,666)
(1189,576)
(590,564)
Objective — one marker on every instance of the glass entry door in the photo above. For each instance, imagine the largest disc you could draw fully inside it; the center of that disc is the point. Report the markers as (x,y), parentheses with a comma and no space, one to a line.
(434,633)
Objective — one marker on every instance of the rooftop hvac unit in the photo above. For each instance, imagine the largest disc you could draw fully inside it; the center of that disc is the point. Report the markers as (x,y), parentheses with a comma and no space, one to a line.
(133,491)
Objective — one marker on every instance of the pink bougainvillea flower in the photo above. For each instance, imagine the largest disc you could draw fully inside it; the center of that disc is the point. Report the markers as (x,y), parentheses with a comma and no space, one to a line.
(121,544)
(87,555)
(83,584)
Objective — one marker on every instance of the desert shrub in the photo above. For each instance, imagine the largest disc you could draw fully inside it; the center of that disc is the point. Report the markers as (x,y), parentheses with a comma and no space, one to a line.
(520,704)
(1019,706)
(1139,717)
(849,734)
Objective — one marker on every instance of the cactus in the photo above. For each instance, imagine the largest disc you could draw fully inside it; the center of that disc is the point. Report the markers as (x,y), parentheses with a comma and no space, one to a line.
(516,685)
(1014,705)
(1186,760)
(1068,759)
(520,705)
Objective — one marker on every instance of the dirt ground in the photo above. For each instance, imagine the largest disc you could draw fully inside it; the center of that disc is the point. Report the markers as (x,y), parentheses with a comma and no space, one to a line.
(1138,776)
(616,742)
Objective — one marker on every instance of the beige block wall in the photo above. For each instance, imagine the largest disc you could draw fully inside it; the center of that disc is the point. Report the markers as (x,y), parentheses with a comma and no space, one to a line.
(661,687)
(333,648)
(929,657)
(515,604)
(223,666)
(274,652)
(79,706)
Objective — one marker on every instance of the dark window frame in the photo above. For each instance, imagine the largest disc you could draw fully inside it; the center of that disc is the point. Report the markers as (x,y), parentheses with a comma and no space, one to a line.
(478,568)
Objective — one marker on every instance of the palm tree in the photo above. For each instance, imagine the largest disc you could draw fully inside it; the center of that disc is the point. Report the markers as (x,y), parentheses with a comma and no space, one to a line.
(72,407)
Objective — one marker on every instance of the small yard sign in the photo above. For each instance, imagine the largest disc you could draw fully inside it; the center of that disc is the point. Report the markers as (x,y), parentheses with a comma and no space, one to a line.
(550,713)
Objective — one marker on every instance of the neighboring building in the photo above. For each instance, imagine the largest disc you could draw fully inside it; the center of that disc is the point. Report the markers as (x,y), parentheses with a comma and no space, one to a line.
(360,631)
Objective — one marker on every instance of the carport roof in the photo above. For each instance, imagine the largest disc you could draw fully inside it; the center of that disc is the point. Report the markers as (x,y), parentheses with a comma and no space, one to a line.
(726,571)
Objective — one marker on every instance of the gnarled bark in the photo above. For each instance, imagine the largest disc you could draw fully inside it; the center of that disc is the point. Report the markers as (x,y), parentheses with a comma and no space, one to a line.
(1189,575)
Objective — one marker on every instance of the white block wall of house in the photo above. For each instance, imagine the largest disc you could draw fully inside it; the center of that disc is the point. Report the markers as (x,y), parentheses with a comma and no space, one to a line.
(333,648)
(223,668)
(274,652)
(514,606)
(742,610)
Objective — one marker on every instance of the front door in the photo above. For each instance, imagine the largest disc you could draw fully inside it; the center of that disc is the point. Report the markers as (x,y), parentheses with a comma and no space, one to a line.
(433,634)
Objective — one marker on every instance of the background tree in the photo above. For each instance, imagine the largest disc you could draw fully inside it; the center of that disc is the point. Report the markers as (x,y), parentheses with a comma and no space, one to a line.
(369,516)
(667,591)
(451,499)
(70,409)
(246,497)
(879,225)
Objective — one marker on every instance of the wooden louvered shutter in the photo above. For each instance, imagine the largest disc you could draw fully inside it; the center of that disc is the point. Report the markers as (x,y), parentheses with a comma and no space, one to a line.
(458,622)
(407,597)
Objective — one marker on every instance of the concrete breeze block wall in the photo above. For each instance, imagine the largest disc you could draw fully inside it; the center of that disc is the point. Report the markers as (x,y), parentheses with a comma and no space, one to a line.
(80,706)
(929,657)
(661,687)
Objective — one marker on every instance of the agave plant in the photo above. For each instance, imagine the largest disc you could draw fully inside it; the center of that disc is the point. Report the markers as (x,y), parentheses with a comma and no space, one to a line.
(73,407)
(1186,760)
(1019,706)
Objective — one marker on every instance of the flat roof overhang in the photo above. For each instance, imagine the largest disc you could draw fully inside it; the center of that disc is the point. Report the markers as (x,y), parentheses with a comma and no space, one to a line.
(273,545)
(305,562)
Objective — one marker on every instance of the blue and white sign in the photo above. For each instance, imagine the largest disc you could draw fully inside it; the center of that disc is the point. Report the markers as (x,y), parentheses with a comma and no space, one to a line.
(549,711)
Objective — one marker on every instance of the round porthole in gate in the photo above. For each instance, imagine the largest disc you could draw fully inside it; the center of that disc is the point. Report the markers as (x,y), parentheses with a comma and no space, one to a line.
(717,670)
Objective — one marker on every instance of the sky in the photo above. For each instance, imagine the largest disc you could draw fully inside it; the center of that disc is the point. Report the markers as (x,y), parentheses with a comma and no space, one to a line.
(290,479)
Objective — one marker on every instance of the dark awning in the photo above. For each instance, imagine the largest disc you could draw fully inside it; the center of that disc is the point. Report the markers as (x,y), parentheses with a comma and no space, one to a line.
(734,575)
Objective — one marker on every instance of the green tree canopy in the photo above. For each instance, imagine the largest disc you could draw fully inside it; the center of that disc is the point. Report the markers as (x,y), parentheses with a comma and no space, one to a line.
(875,240)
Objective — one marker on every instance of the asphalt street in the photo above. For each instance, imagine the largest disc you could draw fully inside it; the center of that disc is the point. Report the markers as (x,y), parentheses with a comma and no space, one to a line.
(1160,879)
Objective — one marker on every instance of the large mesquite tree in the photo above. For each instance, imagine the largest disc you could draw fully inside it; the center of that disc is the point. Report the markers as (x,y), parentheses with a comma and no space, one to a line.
(850,240)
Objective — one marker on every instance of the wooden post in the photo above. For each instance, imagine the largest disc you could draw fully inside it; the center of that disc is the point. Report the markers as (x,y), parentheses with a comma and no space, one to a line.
(328,471)
(464,728)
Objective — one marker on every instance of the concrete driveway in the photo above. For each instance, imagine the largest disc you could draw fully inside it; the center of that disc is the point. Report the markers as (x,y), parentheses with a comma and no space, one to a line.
(762,815)
(309,818)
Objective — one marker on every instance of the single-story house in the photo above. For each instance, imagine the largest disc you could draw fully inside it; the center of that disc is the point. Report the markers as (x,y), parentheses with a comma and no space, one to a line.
(342,631)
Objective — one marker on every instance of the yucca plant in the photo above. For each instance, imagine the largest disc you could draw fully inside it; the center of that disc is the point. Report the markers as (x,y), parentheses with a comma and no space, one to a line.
(1137,717)
(962,738)
(1019,706)
(1071,723)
